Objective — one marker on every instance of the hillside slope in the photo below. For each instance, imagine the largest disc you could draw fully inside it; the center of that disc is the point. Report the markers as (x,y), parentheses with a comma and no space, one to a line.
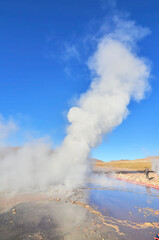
(137,164)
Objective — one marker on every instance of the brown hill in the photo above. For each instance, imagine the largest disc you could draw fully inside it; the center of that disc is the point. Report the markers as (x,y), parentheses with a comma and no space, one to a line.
(136,164)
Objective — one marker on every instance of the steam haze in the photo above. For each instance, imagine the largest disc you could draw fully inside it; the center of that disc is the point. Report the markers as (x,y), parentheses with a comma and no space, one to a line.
(118,75)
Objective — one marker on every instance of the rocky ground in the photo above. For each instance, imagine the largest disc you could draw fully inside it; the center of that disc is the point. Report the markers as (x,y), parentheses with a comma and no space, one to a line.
(36,217)
(139,178)
(131,170)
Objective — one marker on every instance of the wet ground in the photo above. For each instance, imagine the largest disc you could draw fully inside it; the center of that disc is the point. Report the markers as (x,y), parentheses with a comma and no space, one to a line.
(103,209)
(134,208)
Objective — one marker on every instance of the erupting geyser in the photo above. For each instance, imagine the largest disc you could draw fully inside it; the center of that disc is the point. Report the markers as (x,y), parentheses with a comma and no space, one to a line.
(118,76)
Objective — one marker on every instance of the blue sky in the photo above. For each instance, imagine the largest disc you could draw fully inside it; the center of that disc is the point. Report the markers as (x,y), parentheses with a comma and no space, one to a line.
(45,46)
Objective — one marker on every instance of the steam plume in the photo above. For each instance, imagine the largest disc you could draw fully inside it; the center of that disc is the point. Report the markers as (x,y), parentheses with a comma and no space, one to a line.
(119,75)
(155,164)
(6,128)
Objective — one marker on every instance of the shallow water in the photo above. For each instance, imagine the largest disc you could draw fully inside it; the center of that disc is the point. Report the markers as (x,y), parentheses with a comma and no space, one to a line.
(103,209)
(126,201)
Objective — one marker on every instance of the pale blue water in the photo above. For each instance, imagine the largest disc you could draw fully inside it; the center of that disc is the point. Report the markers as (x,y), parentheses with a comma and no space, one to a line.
(123,200)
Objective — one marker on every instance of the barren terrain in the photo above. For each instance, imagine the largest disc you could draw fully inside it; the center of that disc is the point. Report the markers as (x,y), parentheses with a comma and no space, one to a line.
(131,170)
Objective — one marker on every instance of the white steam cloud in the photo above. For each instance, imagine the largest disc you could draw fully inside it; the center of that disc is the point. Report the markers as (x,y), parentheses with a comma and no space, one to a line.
(155,164)
(119,76)
(6,128)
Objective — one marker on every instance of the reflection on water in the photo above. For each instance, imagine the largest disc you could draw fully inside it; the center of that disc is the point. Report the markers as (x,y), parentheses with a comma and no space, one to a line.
(124,201)
(104,209)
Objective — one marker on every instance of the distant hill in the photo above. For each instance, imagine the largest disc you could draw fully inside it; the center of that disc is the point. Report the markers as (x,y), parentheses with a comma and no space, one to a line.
(136,164)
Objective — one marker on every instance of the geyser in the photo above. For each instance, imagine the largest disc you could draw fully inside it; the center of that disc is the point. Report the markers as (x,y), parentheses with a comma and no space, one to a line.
(119,75)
